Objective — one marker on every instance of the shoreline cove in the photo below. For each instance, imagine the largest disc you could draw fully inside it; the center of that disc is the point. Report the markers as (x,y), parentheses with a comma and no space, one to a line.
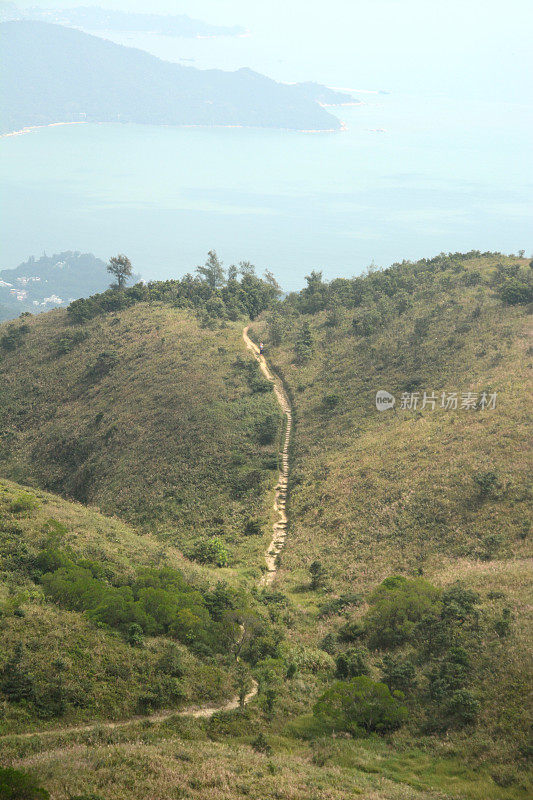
(31,128)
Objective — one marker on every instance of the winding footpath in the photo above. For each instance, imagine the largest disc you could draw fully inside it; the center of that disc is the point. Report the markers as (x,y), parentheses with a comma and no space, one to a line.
(280,503)
(271,558)
(199,712)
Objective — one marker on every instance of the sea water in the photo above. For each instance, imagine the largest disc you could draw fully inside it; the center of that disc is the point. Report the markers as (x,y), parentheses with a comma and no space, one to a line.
(416,172)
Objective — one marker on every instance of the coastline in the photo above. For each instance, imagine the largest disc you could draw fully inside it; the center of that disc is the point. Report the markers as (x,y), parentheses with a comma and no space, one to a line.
(31,128)
(342,105)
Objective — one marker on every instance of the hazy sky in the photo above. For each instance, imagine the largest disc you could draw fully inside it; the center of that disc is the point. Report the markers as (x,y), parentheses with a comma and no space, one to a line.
(482,47)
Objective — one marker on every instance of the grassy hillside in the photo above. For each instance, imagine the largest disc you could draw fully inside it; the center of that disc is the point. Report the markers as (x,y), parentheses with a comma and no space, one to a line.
(147,415)
(391,652)
(433,495)
(59,664)
(405,484)
(185,763)
(68,669)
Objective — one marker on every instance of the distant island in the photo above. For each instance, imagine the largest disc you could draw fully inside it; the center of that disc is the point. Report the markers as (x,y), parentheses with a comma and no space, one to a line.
(94,18)
(52,74)
(50,282)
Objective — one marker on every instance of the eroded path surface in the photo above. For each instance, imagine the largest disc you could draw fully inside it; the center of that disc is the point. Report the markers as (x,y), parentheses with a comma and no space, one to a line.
(194,711)
(280,504)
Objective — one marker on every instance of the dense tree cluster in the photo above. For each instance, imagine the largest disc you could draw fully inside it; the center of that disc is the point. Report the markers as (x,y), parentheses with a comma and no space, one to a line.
(401,280)
(212,292)
(159,602)
(381,295)
(427,637)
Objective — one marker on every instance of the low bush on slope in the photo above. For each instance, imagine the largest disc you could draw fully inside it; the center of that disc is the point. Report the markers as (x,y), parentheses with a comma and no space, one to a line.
(98,622)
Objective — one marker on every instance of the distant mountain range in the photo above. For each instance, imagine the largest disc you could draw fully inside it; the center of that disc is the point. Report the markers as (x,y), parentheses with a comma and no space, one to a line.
(49,282)
(94,18)
(55,74)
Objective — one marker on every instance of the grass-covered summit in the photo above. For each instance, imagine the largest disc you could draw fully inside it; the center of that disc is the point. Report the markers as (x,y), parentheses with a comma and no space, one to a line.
(145,414)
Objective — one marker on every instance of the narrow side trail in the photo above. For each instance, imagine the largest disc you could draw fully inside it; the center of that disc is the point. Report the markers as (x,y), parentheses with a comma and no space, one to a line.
(204,712)
(280,504)
(275,548)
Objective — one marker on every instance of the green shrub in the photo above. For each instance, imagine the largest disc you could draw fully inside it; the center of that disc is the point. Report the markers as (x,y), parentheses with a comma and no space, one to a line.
(339,604)
(134,635)
(267,429)
(17,785)
(229,723)
(486,483)
(243,483)
(400,609)
(67,342)
(24,503)
(515,291)
(259,385)
(351,631)
(398,673)
(421,328)
(361,706)
(459,603)
(260,745)
(330,401)
(472,278)
(304,344)
(15,683)
(14,337)
(211,551)
(318,575)
(352,663)
(412,384)
(366,322)
(310,659)
(449,675)
(253,527)
(502,625)
(103,365)
(462,708)
(170,662)
(155,602)
(329,643)
(491,546)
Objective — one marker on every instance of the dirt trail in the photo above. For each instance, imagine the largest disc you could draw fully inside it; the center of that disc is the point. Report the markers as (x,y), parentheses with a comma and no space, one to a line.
(276,546)
(194,711)
(280,504)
